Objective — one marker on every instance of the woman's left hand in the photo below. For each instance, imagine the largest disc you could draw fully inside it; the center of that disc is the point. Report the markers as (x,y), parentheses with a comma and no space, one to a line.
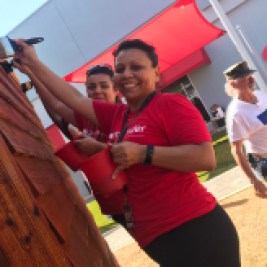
(127,154)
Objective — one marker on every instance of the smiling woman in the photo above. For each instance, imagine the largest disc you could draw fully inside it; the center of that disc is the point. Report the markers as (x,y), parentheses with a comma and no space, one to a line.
(161,140)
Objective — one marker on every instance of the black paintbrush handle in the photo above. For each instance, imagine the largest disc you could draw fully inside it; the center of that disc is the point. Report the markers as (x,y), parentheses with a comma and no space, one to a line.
(32,41)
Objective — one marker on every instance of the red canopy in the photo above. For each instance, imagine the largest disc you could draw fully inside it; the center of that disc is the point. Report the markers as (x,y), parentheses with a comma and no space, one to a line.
(177,32)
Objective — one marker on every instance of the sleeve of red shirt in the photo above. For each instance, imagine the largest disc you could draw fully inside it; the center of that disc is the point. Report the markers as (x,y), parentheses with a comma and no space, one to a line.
(183,122)
(105,113)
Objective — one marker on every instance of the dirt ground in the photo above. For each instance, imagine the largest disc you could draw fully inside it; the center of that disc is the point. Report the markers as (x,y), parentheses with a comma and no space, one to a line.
(249,214)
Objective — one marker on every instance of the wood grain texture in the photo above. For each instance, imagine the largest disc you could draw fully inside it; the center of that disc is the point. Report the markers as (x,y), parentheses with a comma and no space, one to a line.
(43,219)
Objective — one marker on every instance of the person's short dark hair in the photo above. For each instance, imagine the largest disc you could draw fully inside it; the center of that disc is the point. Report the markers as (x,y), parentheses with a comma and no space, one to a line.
(238,70)
(138,44)
(100,69)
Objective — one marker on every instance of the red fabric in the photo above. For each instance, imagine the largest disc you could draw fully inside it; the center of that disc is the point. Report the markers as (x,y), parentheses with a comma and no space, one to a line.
(89,129)
(183,67)
(264,53)
(161,199)
(55,136)
(112,205)
(177,32)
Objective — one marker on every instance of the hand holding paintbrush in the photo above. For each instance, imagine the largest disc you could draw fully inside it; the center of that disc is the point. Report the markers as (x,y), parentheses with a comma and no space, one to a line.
(9,47)
(26,54)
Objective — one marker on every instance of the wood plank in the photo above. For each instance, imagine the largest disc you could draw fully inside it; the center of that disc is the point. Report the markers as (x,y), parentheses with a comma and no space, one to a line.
(9,114)
(40,173)
(43,219)
(18,202)
(22,144)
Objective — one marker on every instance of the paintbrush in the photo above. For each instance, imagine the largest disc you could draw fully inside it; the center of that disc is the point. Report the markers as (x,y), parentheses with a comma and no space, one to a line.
(8,47)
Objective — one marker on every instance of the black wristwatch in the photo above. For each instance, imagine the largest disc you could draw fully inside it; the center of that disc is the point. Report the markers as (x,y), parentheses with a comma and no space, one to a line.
(149,154)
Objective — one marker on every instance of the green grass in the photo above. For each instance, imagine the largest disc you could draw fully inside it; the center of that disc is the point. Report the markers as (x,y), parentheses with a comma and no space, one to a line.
(224,157)
(103,222)
(225,162)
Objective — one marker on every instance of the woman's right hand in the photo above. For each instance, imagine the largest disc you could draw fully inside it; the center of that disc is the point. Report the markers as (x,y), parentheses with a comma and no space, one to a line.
(26,55)
(75,132)
(21,67)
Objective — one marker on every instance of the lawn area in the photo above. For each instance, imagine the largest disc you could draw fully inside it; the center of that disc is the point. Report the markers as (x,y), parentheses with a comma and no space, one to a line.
(103,222)
(224,157)
(225,162)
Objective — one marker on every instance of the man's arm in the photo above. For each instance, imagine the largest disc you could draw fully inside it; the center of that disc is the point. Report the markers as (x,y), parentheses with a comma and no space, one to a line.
(242,162)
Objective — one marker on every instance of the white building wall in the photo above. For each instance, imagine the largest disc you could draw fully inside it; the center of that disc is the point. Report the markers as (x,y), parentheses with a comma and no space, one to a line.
(249,14)
(75,31)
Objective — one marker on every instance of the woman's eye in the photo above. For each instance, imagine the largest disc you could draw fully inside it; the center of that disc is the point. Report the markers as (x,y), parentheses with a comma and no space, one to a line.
(91,88)
(104,86)
(136,67)
(119,70)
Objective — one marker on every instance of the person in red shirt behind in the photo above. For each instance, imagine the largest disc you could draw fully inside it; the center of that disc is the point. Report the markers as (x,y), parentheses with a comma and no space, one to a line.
(89,140)
(161,140)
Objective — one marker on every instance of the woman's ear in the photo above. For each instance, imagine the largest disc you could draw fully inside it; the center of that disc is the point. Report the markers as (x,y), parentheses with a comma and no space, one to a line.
(157,72)
(251,83)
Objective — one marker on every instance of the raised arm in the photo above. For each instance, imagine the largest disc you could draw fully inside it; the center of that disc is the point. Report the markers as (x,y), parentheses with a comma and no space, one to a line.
(63,91)
(55,108)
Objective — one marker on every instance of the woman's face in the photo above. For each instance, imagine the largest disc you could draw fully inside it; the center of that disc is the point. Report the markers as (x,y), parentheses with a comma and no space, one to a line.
(134,75)
(100,87)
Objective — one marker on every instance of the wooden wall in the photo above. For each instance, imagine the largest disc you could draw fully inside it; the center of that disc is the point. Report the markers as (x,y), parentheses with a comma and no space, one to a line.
(43,219)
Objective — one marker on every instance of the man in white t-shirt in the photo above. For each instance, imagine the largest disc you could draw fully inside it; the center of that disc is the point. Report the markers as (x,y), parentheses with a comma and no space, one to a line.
(246,122)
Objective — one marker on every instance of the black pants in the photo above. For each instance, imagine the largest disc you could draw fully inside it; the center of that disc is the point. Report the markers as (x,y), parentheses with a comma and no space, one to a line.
(208,241)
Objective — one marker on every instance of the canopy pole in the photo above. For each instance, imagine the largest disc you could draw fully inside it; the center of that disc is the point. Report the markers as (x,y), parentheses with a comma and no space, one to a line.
(251,48)
(237,42)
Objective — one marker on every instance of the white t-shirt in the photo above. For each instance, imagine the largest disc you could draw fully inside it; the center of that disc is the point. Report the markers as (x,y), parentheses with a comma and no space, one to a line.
(248,122)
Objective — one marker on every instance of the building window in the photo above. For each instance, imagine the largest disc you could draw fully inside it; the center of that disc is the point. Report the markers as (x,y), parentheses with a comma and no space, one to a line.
(185,87)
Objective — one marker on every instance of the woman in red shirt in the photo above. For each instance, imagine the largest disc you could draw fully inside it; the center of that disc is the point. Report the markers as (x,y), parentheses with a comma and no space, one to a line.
(160,141)
(100,86)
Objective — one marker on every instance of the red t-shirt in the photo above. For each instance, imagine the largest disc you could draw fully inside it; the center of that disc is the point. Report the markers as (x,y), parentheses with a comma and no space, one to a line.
(161,199)
(84,125)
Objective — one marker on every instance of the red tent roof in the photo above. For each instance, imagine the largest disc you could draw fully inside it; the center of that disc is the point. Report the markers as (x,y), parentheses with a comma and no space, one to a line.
(177,32)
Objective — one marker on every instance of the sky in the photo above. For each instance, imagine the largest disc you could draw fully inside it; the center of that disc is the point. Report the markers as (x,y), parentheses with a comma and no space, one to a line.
(14,12)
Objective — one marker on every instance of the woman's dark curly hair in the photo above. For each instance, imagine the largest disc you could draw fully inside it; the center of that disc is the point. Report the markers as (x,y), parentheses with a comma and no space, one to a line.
(138,44)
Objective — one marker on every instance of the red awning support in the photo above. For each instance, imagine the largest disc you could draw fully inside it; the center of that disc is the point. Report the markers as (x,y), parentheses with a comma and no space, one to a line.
(177,32)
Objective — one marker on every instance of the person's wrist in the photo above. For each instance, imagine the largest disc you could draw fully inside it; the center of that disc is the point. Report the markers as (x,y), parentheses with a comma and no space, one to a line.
(149,154)
(100,146)
(253,180)
(141,154)
(32,62)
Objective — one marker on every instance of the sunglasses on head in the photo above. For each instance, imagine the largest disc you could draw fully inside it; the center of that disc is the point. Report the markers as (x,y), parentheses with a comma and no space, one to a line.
(99,66)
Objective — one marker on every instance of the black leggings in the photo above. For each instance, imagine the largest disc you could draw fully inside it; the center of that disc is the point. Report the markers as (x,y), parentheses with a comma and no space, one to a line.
(208,241)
